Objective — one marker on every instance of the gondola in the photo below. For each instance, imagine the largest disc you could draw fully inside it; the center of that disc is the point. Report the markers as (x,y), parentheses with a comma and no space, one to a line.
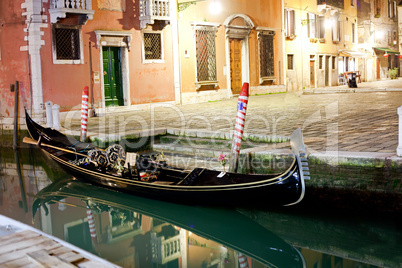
(226,226)
(151,178)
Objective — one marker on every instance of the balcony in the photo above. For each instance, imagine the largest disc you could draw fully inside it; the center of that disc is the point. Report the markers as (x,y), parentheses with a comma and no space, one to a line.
(60,8)
(151,10)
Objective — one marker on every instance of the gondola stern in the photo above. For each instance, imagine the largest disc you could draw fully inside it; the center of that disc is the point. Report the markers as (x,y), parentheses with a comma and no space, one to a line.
(300,153)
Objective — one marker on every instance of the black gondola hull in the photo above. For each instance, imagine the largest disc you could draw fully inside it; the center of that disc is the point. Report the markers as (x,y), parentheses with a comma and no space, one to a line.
(210,187)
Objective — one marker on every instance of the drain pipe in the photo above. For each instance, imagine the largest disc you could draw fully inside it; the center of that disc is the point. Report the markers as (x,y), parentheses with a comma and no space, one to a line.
(16,92)
(399,149)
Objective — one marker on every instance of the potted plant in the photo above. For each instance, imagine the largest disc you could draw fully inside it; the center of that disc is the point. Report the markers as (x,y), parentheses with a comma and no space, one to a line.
(313,40)
(291,37)
(393,73)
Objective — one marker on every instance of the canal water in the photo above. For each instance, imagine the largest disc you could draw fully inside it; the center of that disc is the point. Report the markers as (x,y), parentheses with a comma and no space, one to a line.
(137,232)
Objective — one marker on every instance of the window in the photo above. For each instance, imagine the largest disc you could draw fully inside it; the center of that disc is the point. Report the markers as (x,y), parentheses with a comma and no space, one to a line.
(377,8)
(395,38)
(352,3)
(152,46)
(353,33)
(321,26)
(336,26)
(320,61)
(391,9)
(290,61)
(311,20)
(205,53)
(266,45)
(290,22)
(333,62)
(67,44)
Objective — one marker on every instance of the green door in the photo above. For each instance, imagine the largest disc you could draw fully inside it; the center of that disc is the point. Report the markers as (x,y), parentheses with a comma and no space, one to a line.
(112,76)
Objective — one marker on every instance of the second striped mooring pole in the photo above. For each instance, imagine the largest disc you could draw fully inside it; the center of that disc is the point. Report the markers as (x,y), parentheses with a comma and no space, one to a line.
(84,114)
(239,127)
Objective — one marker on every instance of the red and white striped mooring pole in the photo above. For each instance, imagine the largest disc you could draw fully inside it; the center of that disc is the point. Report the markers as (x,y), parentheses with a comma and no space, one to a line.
(238,131)
(84,114)
(91,224)
(243,263)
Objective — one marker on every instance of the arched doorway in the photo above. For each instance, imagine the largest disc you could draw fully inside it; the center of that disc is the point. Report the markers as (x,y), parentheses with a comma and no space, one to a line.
(238,27)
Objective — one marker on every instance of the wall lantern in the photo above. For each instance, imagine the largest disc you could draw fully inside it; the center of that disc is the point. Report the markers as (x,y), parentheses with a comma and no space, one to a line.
(400,56)
(386,55)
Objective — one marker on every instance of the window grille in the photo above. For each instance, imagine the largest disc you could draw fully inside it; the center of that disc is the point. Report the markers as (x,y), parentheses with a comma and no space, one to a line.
(67,43)
(205,53)
(153,46)
(290,61)
(266,43)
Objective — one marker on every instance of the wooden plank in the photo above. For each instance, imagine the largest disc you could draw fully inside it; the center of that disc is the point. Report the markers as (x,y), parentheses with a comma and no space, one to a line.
(60,250)
(43,259)
(18,236)
(23,244)
(70,257)
(21,253)
(20,262)
(93,264)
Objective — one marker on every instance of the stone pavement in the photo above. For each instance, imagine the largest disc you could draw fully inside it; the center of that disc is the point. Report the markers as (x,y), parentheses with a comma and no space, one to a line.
(351,122)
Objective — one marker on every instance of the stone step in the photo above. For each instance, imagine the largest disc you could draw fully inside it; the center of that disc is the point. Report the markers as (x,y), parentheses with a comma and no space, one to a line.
(190,150)
(203,142)
(216,135)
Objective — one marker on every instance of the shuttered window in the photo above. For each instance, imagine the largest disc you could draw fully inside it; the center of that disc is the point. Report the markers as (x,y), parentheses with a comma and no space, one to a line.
(377,8)
(311,24)
(290,22)
(336,29)
(391,9)
(321,26)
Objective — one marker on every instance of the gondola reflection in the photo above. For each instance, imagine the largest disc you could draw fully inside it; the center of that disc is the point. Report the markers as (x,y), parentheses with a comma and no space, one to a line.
(139,232)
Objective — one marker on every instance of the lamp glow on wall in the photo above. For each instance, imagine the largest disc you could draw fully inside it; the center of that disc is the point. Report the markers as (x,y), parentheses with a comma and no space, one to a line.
(329,23)
(215,7)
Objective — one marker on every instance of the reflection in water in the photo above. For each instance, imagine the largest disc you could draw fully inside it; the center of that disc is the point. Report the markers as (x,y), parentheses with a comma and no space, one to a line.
(138,232)
(164,232)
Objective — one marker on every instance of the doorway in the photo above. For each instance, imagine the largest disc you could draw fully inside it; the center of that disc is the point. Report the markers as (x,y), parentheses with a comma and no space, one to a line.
(312,74)
(378,68)
(112,76)
(327,58)
(235,66)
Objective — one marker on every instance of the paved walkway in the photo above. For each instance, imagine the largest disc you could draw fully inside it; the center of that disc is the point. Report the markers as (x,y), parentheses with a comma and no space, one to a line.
(354,122)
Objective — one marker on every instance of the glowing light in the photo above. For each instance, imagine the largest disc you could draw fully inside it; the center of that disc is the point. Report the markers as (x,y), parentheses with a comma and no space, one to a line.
(215,7)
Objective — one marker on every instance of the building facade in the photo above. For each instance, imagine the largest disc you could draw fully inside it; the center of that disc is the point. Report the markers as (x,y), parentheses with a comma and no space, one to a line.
(378,37)
(321,42)
(136,52)
(56,48)
(225,43)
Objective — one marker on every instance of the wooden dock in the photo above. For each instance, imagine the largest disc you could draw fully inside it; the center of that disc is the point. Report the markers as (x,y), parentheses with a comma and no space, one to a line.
(28,248)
